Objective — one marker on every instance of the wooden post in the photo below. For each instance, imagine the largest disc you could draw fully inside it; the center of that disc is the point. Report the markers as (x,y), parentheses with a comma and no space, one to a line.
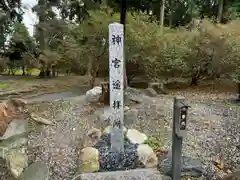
(105,98)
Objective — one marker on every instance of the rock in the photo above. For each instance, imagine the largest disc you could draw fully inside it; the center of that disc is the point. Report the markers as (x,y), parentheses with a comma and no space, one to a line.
(132,90)
(132,95)
(140,174)
(94,133)
(18,103)
(16,127)
(135,136)
(92,137)
(147,156)
(158,87)
(93,95)
(36,171)
(89,160)
(40,119)
(109,128)
(17,161)
(150,92)
(190,166)
(14,142)
(126,108)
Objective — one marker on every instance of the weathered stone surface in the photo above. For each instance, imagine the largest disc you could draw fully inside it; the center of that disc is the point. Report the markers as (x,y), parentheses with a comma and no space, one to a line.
(135,136)
(89,160)
(15,142)
(16,127)
(17,161)
(150,92)
(41,120)
(36,171)
(190,166)
(93,95)
(147,156)
(136,174)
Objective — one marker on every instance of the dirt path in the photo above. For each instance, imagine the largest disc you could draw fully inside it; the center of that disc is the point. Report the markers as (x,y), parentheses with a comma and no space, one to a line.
(29,87)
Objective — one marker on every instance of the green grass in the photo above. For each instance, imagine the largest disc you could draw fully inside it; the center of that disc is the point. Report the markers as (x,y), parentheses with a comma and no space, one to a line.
(4,85)
(154,142)
(34,72)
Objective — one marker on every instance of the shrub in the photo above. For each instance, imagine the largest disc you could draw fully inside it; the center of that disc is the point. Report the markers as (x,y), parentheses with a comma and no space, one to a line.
(175,53)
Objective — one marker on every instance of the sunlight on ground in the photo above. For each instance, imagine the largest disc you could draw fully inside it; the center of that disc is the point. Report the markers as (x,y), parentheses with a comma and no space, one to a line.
(4,85)
(33,72)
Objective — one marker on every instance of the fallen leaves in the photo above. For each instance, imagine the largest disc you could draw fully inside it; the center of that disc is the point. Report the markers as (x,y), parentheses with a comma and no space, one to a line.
(221,166)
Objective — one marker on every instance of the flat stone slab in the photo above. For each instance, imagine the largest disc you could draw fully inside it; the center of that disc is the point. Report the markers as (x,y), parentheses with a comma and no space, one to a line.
(36,171)
(135,174)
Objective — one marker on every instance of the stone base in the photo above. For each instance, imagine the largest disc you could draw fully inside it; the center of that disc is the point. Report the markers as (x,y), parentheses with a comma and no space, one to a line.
(99,157)
(140,174)
(113,161)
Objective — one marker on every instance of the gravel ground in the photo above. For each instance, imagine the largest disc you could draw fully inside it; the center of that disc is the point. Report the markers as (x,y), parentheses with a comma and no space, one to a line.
(212,131)
(58,145)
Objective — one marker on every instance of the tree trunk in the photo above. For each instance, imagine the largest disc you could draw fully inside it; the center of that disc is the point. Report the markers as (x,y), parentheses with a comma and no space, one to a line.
(41,3)
(220,11)
(123,21)
(162,15)
(53,71)
(170,13)
(23,70)
(194,81)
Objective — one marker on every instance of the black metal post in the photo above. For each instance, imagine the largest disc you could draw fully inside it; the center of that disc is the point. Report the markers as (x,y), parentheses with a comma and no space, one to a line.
(179,131)
(123,12)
